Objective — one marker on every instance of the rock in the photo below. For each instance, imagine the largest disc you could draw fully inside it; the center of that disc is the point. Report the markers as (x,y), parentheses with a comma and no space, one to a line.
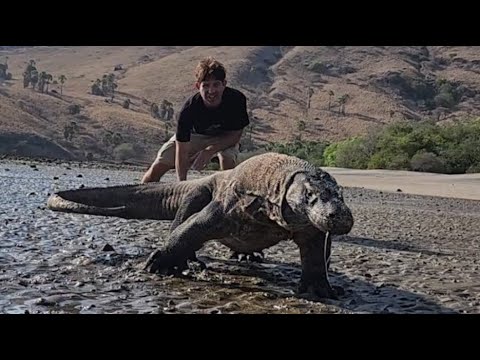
(108,247)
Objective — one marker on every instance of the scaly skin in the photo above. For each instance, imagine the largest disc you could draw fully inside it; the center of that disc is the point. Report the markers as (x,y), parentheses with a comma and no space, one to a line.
(264,200)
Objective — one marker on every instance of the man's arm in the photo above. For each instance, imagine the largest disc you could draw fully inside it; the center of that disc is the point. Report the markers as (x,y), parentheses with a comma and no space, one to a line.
(218,143)
(225,141)
(182,161)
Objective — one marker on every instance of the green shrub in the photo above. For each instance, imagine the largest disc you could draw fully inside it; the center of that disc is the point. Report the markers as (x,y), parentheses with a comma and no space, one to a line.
(352,153)
(389,160)
(418,146)
(473,169)
(427,162)
(311,151)
(73,109)
(330,155)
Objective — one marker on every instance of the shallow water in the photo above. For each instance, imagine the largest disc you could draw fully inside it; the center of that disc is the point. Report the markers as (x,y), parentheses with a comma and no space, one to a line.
(405,254)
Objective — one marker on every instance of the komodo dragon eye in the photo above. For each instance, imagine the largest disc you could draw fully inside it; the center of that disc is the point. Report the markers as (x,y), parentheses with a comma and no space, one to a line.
(326,195)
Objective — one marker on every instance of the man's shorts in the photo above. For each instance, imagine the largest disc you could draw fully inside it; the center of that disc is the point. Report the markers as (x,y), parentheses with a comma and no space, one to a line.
(198,142)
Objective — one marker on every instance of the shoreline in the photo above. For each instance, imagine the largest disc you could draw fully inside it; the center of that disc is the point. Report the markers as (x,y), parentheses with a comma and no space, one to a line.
(459,186)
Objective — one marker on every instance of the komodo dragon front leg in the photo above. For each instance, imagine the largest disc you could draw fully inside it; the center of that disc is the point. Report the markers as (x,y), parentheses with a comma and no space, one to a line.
(314,253)
(193,203)
(188,237)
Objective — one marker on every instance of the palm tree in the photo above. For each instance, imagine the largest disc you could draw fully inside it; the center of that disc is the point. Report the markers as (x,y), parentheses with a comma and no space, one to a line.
(42,77)
(48,78)
(112,85)
(34,78)
(62,79)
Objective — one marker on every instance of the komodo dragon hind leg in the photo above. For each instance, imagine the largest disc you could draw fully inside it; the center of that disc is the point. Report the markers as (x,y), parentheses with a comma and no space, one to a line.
(188,237)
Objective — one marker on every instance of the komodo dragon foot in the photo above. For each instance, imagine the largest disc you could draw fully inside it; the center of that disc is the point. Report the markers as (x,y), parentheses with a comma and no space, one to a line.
(249,257)
(319,289)
(159,262)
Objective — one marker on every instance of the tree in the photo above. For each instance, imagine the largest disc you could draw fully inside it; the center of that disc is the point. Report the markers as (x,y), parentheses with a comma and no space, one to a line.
(42,79)
(154,111)
(169,113)
(112,85)
(97,88)
(62,78)
(48,79)
(27,74)
(330,95)
(166,110)
(70,130)
(3,71)
(301,125)
(341,102)
(34,78)
(105,85)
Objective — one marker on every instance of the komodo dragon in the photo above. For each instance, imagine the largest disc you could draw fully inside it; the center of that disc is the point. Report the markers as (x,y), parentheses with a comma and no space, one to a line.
(264,200)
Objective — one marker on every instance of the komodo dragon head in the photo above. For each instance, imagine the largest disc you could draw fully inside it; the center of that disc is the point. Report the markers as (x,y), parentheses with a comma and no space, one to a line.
(316,198)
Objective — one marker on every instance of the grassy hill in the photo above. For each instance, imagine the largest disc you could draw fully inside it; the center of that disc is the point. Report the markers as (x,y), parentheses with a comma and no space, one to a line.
(351,90)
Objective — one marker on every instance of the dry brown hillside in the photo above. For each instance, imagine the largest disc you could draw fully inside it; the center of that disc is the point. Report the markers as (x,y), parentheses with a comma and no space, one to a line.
(377,85)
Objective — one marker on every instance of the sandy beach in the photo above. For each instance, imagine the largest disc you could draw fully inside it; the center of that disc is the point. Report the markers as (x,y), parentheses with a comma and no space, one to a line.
(415,248)
(463,186)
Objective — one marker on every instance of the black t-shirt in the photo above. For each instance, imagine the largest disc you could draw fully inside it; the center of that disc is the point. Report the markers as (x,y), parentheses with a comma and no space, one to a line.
(195,117)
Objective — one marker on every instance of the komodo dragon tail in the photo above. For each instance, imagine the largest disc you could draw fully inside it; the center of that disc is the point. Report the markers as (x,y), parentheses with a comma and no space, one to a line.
(157,201)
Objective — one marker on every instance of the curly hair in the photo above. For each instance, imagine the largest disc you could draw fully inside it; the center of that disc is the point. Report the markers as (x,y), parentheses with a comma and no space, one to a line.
(210,67)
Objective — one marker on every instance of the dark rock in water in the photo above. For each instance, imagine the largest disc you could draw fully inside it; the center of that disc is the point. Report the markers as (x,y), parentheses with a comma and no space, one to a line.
(107,179)
(82,186)
(79,175)
(108,247)
(399,190)
(55,178)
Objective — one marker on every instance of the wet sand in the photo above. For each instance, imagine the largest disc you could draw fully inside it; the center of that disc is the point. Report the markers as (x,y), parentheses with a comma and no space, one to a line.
(407,253)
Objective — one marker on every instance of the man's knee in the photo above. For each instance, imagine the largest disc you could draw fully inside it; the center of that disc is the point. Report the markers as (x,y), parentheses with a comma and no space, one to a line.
(228,157)
(227,161)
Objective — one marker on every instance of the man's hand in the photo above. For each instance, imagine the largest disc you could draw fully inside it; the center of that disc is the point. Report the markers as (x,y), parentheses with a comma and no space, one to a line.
(201,159)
